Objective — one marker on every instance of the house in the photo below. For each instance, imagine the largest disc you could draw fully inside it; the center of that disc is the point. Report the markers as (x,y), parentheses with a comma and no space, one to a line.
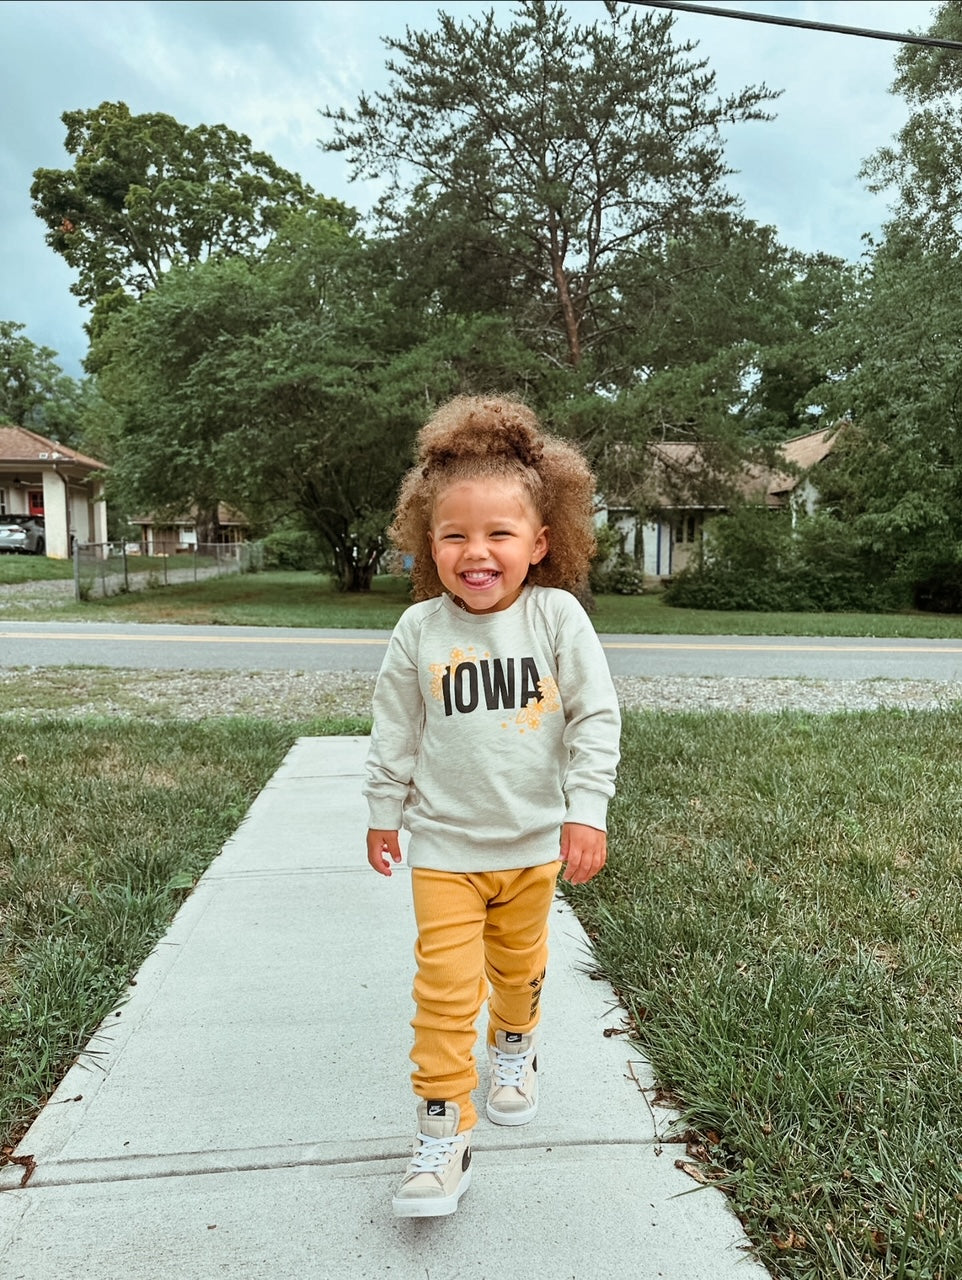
(684,487)
(176,535)
(42,478)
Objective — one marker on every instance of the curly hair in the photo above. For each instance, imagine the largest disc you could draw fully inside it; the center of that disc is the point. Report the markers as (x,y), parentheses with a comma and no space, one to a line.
(476,437)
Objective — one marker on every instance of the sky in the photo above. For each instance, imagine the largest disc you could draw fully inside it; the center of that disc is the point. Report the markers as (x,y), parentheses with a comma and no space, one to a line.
(266,68)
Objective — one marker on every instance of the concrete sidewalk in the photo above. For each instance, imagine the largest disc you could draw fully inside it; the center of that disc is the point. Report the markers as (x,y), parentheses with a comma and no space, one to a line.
(247,1111)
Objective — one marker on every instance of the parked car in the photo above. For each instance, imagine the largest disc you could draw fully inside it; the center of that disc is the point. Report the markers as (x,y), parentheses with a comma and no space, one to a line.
(22,533)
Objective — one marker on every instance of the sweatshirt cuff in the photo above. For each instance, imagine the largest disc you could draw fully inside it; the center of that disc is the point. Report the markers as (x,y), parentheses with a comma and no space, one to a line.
(590,808)
(384,815)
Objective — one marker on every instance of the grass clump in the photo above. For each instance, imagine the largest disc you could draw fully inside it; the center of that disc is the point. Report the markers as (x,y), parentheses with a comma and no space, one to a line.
(782,915)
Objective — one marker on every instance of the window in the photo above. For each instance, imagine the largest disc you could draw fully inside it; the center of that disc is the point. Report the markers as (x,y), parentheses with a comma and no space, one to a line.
(688,528)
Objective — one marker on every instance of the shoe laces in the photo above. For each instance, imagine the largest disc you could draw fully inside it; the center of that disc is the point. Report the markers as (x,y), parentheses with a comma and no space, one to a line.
(509,1068)
(433,1153)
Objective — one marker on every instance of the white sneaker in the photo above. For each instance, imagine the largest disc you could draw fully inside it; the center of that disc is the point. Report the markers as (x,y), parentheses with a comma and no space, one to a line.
(440,1169)
(513,1088)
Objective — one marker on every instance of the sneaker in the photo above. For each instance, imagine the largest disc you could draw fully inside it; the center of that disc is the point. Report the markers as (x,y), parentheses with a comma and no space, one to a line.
(513,1089)
(440,1169)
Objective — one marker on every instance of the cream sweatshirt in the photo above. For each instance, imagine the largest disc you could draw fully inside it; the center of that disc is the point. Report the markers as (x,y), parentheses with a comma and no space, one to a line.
(491,730)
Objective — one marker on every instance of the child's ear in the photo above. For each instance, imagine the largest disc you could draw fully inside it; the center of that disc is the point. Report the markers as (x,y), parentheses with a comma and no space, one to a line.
(540,549)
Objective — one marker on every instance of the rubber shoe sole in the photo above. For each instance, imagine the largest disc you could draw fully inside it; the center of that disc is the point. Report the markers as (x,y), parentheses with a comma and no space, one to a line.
(431,1206)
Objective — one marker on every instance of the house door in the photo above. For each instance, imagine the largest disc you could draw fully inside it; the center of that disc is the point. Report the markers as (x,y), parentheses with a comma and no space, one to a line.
(35,502)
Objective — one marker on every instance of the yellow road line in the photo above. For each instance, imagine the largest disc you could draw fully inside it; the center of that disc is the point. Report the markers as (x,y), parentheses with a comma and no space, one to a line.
(780,648)
(702,647)
(100,635)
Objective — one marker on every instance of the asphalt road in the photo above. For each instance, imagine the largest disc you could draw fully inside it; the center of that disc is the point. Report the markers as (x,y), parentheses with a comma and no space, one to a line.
(53,644)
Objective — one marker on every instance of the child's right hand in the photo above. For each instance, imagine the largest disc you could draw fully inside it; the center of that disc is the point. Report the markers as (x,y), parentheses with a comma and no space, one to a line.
(380,843)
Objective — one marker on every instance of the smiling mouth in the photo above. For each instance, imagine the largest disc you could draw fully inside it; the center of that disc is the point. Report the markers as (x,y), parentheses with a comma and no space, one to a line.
(479,580)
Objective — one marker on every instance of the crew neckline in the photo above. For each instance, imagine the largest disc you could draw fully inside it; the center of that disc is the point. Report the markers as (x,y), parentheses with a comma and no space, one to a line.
(478,618)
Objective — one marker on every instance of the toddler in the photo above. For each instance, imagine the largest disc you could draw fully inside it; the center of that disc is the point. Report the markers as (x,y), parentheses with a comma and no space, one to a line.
(495,745)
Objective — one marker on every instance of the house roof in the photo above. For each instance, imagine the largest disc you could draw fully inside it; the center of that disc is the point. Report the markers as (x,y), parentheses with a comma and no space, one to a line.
(19,444)
(803,452)
(683,476)
(226,516)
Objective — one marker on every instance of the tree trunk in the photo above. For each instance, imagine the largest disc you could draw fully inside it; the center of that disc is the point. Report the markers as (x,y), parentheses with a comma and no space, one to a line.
(568,313)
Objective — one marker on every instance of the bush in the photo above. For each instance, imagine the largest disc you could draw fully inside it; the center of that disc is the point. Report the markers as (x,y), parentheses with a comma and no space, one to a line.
(756,561)
(291,549)
(621,577)
(613,572)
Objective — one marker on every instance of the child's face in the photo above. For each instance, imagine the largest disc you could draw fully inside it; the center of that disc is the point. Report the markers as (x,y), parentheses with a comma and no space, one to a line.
(485,535)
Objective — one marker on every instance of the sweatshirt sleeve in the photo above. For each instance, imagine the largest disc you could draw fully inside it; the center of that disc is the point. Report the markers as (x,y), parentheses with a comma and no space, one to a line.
(398,724)
(593,720)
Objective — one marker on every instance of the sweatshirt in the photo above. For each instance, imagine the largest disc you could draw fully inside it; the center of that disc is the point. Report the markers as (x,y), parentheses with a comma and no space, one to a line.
(491,730)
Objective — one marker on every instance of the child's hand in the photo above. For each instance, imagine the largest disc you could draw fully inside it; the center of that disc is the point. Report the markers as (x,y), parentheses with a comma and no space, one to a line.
(378,844)
(584,850)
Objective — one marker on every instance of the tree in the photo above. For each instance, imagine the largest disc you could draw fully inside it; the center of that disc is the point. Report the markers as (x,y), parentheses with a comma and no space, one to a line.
(548,153)
(289,383)
(146,192)
(896,474)
(924,166)
(34,390)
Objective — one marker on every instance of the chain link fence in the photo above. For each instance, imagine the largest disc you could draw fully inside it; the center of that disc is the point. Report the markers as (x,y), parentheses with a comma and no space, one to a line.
(109,568)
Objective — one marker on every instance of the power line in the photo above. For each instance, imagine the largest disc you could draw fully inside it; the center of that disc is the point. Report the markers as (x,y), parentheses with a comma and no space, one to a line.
(713,11)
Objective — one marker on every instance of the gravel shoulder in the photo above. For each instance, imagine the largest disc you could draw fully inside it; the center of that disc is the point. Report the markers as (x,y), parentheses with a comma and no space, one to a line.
(300,695)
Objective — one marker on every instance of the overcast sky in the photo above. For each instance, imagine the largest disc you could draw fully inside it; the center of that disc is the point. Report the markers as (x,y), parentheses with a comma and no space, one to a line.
(266,67)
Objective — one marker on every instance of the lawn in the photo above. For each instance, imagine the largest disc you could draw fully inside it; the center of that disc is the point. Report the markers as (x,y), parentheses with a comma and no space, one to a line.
(107,823)
(284,599)
(782,916)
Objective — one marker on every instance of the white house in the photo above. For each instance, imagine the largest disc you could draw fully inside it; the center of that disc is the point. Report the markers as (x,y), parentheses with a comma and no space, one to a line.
(679,475)
(39,477)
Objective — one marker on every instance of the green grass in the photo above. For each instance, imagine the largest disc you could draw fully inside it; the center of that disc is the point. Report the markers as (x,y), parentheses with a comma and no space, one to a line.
(15,569)
(782,916)
(107,824)
(280,599)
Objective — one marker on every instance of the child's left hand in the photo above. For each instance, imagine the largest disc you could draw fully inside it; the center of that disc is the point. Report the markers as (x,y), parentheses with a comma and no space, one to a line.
(584,850)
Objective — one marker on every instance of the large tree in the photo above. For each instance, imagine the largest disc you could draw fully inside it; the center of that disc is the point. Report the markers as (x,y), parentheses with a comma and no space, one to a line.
(923,165)
(896,475)
(289,384)
(895,354)
(535,159)
(145,192)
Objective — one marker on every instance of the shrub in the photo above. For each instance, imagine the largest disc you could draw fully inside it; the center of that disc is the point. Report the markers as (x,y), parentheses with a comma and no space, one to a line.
(612,571)
(291,549)
(755,560)
(622,576)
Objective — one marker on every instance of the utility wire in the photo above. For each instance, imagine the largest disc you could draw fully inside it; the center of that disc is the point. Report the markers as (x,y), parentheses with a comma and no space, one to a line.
(715,12)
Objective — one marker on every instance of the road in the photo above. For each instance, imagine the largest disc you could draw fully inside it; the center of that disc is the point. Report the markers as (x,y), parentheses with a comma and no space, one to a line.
(52,644)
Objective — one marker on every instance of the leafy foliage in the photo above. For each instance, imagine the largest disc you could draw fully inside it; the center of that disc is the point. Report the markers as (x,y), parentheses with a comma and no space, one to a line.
(924,167)
(145,192)
(34,391)
(287,384)
(550,153)
(755,559)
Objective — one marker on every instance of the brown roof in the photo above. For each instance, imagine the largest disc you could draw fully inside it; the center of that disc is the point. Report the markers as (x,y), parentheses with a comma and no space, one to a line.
(225,516)
(682,475)
(803,452)
(18,444)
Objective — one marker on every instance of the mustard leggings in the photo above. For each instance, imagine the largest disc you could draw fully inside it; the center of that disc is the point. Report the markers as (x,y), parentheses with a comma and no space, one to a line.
(474,929)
